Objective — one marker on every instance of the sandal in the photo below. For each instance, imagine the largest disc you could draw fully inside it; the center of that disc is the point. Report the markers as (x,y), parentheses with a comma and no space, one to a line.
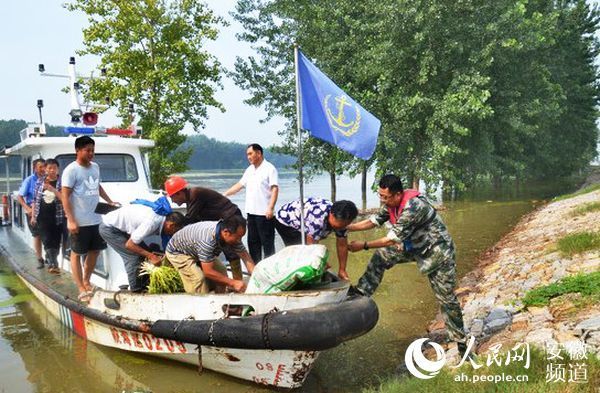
(92,288)
(85,297)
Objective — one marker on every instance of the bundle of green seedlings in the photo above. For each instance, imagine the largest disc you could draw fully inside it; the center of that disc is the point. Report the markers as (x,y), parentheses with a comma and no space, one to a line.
(163,279)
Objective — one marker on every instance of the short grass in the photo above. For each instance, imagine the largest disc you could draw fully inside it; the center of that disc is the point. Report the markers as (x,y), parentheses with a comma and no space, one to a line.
(585,190)
(578,242)
(586,208)
(588,285)
(448,381)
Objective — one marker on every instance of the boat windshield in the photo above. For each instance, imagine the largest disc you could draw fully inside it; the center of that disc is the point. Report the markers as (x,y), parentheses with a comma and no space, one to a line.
(113,167)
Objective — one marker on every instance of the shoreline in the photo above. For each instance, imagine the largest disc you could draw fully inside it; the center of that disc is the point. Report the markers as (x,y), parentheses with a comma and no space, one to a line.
(524,259)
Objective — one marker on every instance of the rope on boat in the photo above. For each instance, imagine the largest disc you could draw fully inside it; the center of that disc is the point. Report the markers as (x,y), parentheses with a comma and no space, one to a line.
(265,327)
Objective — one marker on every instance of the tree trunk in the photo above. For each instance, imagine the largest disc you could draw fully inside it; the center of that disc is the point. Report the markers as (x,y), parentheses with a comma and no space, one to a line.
(415,182)
(333,185)
(363,187)
(497,180)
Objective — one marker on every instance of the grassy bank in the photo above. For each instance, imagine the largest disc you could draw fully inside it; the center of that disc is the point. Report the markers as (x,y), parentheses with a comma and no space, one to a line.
(587,208)
(588,285)
(585,190)
(578,242)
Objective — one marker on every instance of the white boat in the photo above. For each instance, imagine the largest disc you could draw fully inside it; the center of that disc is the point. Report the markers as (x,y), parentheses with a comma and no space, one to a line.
(276,346)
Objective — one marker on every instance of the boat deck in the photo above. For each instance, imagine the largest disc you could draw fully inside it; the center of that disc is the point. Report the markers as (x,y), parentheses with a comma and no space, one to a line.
(22,259)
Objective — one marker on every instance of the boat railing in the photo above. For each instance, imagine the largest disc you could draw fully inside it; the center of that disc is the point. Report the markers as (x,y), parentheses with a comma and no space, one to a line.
(6,205)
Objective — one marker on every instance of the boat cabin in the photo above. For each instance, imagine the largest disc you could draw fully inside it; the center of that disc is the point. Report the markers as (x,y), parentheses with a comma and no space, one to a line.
(124,174)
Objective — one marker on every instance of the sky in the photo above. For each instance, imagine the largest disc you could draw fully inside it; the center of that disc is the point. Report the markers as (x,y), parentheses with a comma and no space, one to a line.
(42,31)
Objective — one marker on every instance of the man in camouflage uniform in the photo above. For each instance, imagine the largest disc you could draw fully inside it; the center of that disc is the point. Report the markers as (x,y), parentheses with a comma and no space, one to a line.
(417,233)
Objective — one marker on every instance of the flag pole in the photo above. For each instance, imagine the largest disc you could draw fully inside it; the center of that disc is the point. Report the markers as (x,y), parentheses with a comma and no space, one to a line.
(298,116)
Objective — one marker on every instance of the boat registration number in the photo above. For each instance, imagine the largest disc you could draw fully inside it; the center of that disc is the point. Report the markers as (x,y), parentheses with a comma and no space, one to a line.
(146,341)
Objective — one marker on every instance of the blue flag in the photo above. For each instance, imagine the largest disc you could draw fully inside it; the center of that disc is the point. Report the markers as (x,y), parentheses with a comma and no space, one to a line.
(331,115)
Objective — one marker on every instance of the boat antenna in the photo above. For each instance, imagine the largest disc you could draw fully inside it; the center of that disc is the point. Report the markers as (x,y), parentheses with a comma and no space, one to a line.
(40,105)
(76,112)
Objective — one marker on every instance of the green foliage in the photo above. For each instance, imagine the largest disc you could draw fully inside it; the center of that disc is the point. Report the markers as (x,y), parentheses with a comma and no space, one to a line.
(9,131)
(9,136)
(586,190)
(163,279)
(330,32)
(578,242)
(209,153)
(154,57)
(465,90)
(587,208)
(586,284)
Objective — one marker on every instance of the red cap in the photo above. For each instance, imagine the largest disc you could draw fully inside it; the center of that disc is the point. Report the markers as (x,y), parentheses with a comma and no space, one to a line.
(174,184)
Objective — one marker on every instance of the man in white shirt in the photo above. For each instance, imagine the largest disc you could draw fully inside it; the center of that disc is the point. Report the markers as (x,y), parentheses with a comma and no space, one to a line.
(124,230)
(262,187)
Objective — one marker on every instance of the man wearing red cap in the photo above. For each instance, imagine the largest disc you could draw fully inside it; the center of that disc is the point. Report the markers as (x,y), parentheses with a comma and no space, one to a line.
(204,204)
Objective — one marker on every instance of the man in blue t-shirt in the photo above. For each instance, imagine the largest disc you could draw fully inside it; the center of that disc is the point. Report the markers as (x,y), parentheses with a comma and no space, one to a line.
(25,198)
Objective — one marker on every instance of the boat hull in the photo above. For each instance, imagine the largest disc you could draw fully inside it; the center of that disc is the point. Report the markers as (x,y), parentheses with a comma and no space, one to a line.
(272,348)
(281,368)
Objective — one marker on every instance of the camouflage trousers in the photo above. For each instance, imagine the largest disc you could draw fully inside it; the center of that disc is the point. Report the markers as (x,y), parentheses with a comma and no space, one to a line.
(442,281)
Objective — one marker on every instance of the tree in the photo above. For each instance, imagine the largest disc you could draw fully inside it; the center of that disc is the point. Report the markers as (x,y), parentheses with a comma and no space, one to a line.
(543,85)
(522,99)
(465,90)
(153,53)
(330,32)
(475,88)
(431,86)
(568,143)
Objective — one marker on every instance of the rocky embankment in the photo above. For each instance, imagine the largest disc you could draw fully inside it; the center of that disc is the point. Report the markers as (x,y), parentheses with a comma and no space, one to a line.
(526,258)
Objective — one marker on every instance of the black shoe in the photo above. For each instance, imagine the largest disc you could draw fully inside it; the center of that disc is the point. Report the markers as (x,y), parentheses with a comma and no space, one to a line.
(40,263)
(355,291)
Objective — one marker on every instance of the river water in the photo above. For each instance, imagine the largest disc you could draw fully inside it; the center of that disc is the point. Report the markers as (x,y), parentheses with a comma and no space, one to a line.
(289,189)
(37,354)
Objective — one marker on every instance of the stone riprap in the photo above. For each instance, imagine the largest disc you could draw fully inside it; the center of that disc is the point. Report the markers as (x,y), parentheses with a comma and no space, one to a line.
(525,259)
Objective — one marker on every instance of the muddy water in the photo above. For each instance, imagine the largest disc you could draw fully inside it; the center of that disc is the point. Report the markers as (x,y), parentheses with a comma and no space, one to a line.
(405,300)
(38,355)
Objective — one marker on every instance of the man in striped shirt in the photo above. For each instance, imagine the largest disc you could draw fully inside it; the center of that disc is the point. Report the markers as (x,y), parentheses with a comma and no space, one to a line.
(193,251)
